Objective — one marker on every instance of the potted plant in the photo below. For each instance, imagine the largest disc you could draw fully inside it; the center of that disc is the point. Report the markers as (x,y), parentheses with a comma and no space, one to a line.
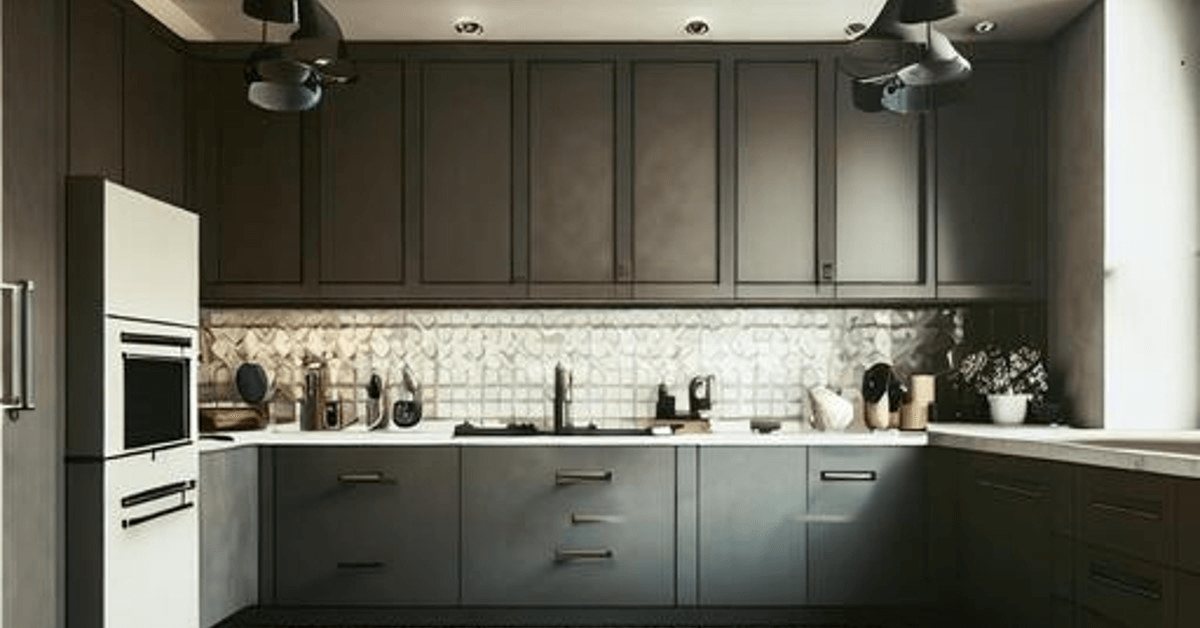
(1008,377)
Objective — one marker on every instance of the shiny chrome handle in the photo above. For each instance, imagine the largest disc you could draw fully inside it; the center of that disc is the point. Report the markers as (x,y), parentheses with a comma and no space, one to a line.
(579,519)
(583,476)
(1112,582)
(19,389)
(365,477)
(137,521)
(1009,488)
(847,476)
(570,555)
(370,564)
(1126,510)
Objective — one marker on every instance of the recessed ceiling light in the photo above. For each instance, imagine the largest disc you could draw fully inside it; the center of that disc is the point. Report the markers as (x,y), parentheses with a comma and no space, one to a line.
(854,29)
(468,26)
(984,27)
(696,26)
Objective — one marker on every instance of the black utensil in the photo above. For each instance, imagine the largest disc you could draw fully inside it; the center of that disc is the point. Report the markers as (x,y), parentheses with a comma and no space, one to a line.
(876,381)
(374,386)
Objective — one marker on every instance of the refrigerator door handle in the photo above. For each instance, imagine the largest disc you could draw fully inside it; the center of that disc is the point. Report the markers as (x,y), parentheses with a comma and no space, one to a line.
(19,391)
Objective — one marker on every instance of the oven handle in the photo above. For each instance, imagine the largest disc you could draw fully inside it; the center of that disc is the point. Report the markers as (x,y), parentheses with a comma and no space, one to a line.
(156,493)
(157,340)
(137,521)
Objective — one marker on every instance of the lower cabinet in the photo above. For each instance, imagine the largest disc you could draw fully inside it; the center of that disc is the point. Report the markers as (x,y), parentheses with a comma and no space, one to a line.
(568,526)
(866,526)
(366,526)
(751,526)
(1114,589)
(229,527)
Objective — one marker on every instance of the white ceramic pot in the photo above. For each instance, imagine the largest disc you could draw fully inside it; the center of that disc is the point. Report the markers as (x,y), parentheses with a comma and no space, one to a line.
(1008,409)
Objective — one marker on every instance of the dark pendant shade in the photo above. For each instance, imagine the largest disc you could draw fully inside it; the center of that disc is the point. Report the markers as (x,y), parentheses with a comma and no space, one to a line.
(913,11)
(277,83)
(278,11)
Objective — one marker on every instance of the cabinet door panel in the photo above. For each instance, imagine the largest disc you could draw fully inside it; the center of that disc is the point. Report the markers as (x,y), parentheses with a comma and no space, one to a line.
(1127,511)
(153,114)
(1125,590)
(675,172)
(776,185)
(95,76)
(571,152)
(466,213)
(880,236)
(342,538)
(752,544)
(990,185)
(521,523)
(362,235)
(866,531)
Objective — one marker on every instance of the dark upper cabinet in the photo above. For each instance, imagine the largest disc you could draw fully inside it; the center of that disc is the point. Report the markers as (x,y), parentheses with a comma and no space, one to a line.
(675,205)
(247,188)
(153,119)
(778,238)
(96,33)
(572,197)
(362,201)
(882,241)
(991,184)
(466,174)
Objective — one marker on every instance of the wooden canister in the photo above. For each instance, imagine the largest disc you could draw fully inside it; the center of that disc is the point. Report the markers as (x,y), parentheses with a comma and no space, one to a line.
(921,389)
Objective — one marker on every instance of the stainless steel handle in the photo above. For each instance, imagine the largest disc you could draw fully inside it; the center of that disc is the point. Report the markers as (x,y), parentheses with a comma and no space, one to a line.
(581,519)
(137,521)
(570,555)
(370,564)
(364,477)
(847,476)
(1013,490)
(583,476)
(1095,574)
(19,388)
(1126,510)
(157,493)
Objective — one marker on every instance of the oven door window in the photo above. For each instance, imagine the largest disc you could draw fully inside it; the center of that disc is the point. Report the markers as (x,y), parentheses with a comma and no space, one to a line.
(156,400)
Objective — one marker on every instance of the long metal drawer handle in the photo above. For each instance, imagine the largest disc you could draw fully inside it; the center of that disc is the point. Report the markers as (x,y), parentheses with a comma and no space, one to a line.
(1095,575)
(19,389)
(582,476)
(369,477)
(569,555)
(1126,510)
(847,476)
(578,518)
(157,493)
(371,564)
(1014,490)
(137,521)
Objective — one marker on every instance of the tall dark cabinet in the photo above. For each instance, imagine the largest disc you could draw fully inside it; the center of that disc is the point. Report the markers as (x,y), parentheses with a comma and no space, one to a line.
(153,115)
(96,29)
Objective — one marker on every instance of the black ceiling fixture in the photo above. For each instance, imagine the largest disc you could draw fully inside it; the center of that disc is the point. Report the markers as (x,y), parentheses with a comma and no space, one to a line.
(937,78)
(293,76)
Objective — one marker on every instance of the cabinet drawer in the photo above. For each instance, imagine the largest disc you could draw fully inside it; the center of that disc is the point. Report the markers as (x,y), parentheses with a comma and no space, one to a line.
(1189,599)
(866,525)
(366,525)
(1129,512)
(568,526)
(1187,493)
(1124,590)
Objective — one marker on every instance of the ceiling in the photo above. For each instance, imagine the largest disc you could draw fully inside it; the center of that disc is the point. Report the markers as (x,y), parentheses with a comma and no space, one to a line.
(611,20)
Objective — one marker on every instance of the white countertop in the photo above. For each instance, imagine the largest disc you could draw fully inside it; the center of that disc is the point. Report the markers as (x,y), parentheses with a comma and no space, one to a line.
(1047,443)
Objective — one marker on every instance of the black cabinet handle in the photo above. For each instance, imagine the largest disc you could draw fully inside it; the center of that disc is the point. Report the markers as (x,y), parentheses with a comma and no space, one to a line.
(847,476)
(582,518)
(359,565)
(158,492)
(1011,489)
(583,476)
(1116,583)
(573,555)
(367,477)
(1126,510)
(137,521)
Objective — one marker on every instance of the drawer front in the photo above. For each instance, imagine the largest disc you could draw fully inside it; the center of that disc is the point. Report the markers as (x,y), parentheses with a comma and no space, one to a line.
(1188,523)
(866,525)
(1126,511)
(1124,590)
(366,525)
(568,526)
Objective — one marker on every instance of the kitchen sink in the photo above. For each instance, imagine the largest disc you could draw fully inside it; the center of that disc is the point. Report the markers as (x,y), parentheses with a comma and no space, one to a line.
(529,429)
(1167,445)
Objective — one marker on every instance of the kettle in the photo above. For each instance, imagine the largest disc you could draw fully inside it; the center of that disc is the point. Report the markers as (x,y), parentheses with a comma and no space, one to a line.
(700,395)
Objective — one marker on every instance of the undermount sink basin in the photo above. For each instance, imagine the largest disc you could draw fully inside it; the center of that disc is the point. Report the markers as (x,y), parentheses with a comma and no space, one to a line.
(529,429)
(1189,447)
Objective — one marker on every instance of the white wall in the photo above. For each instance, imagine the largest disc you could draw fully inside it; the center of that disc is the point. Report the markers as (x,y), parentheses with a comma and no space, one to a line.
(1151,295)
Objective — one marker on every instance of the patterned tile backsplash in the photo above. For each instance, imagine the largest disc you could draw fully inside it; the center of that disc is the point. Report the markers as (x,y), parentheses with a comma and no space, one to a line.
(497,365)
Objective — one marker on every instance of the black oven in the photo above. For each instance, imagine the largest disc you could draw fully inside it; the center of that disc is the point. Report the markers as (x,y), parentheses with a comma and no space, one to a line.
(155,408)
